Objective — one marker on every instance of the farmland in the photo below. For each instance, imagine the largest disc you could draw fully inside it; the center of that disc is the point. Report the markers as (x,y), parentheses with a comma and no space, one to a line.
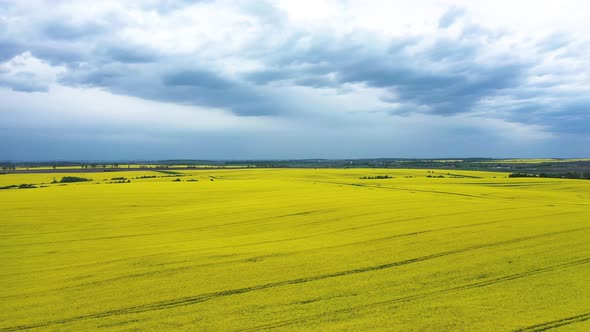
(294,249)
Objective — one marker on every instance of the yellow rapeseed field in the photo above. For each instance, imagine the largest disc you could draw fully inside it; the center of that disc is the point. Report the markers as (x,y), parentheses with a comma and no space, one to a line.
(295,249)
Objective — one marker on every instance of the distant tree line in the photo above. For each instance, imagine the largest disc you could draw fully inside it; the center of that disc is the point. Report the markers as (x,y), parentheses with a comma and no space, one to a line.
(563,175)
(8,167)
(575,169)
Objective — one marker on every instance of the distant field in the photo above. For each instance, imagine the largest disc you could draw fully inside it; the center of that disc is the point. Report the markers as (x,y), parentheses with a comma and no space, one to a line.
(295,249)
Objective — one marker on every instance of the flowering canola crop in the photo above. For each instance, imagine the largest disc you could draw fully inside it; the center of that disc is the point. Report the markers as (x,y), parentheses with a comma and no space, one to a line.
(295,249)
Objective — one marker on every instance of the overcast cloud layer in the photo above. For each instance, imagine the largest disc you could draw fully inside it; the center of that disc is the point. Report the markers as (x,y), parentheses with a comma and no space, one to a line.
(293,79)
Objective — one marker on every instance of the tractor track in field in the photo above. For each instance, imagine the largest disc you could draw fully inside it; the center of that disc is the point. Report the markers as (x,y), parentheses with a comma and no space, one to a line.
(263,257)
(191,300)
(483,196)
(362,185)
(388,221)
(141,222)
(251,222)
(539,327)
(555,323)
(210,227)
(385,238)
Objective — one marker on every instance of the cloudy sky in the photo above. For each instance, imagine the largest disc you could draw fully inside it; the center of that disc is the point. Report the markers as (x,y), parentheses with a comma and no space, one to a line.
(91,80)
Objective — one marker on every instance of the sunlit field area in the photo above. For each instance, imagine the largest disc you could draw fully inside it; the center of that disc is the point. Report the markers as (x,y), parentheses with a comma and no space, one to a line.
(294,249)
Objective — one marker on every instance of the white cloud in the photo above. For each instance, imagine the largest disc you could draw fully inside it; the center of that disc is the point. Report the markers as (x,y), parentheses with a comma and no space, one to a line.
(25,72)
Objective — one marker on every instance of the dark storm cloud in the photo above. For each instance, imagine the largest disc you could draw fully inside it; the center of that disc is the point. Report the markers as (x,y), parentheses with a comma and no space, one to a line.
(94,55)
(445,78)
(423,73)
(267,76)
(105,76)
(65,30)
(195,78)
(452,51)
(574,118)
(568,115)
(128,54)
(181,84)
(450,92)
(317,82)
(59,53)
(202,87)
(9,49)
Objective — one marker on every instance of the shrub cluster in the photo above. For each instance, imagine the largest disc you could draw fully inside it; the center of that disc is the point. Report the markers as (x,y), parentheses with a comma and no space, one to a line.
(69,179)
(20,186)
(377,177)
